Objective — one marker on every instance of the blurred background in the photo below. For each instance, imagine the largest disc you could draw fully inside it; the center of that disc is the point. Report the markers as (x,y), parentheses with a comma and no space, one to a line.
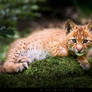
(18,18)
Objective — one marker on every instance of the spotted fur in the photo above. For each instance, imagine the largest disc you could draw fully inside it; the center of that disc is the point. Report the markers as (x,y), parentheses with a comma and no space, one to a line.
(49,42)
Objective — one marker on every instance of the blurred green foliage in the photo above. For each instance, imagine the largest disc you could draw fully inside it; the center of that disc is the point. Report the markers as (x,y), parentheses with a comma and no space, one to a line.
(13,10)
(85,7)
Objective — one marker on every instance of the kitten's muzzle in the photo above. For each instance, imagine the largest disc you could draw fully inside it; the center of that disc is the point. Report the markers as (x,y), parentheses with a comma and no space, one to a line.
(79,48)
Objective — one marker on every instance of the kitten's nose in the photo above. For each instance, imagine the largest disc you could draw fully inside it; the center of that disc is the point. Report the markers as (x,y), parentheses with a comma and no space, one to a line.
(79,47)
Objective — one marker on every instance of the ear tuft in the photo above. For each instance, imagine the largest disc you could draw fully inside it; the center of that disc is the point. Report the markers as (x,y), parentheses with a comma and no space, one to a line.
(69,25)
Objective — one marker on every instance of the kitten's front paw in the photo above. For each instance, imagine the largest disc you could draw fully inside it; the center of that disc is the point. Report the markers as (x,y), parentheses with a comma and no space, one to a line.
(85,66)
(22,66)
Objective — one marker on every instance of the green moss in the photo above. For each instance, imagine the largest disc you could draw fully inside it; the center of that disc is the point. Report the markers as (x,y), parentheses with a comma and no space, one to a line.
(52,72)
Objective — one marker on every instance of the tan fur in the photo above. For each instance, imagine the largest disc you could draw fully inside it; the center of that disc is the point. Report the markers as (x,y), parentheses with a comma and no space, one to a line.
(56,42)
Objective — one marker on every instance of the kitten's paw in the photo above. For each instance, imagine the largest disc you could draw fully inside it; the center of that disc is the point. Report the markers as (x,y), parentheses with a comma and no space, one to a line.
(85,67)
(22,66)
(11,67)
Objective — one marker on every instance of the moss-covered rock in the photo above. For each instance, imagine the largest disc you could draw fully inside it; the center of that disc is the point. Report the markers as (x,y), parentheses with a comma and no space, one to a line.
(53,72)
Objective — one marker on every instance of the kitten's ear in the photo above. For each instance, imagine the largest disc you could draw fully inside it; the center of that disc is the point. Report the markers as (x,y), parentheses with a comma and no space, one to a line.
(89,25)
(69,25)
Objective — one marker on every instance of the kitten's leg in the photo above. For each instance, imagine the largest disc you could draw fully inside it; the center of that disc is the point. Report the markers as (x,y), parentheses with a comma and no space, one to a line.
(16,66)
(84,62)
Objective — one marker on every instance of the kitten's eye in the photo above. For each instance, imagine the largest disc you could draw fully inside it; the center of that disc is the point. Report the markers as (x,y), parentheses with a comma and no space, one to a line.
(74,40)
(85,41)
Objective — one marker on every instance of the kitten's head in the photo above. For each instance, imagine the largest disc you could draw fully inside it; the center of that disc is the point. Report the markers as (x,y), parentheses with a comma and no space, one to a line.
(79,37)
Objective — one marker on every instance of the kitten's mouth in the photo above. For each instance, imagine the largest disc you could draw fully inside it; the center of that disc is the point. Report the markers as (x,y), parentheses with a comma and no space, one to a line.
(80,54)
(76,52)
